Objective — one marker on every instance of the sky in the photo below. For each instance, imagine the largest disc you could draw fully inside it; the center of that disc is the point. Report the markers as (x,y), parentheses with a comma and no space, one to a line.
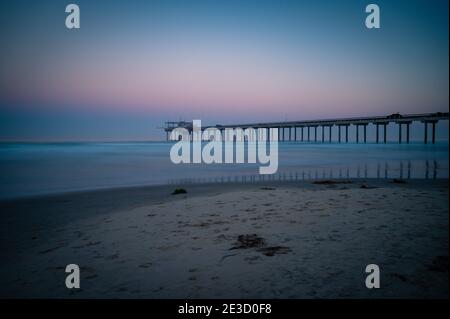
(135,64)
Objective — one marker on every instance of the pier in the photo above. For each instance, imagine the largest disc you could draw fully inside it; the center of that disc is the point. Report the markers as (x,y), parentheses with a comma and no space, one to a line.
(287,130)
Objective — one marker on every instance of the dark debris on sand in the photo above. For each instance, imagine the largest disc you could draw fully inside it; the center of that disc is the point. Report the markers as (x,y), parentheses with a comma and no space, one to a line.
(398,181)
(364,186)
(439,263)
(179,191)
(266,188)
(273,250)
(254,241)
(249,241)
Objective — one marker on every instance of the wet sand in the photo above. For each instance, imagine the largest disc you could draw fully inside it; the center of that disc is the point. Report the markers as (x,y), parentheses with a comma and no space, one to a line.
(260,240)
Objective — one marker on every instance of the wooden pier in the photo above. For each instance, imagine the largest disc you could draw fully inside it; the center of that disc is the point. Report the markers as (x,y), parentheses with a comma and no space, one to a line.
(287,130)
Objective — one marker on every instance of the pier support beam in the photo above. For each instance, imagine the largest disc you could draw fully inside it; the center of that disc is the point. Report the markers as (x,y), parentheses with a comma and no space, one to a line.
(433,131)
(407,131)
(315,133)
(399,133)
(365,133)
(385,133)
(295,133)
(346,133)
(323,133)
(433,136)
(329,134)
(339,133)
(308,134)
(301,133)
(378,133)
(357,133)
(290,135)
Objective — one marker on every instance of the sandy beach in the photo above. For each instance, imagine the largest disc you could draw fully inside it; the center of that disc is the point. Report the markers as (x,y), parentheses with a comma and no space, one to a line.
(255,240)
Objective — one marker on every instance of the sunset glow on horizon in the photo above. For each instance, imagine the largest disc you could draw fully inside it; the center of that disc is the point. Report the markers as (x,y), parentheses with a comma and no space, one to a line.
(230,60)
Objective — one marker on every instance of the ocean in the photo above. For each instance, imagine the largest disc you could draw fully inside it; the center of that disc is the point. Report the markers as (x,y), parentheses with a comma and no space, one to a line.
(29,169)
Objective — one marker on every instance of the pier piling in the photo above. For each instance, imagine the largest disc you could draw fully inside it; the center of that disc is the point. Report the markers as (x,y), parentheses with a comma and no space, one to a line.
(433,126)
(378,132)
(365,133)
(357,133)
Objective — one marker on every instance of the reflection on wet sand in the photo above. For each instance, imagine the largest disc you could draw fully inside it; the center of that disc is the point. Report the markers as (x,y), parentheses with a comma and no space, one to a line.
(401,169)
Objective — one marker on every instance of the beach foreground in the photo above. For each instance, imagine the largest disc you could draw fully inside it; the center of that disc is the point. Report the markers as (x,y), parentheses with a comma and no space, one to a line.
(260,240)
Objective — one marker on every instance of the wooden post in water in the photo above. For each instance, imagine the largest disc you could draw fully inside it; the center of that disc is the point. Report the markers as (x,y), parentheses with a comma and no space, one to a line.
(365,135)
(339,133)
(433,136)
(357,133)
(346,133)
(407,132)
(378,133)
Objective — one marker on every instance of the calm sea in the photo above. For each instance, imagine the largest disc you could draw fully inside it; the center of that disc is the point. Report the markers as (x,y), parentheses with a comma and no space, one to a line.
(37,168)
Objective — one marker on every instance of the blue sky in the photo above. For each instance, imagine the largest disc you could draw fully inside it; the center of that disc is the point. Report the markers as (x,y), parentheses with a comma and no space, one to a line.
(135,64)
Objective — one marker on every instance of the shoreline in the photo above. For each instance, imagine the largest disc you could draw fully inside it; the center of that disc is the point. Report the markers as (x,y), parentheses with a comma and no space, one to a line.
(143,242)
(40,171)
(204,186)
